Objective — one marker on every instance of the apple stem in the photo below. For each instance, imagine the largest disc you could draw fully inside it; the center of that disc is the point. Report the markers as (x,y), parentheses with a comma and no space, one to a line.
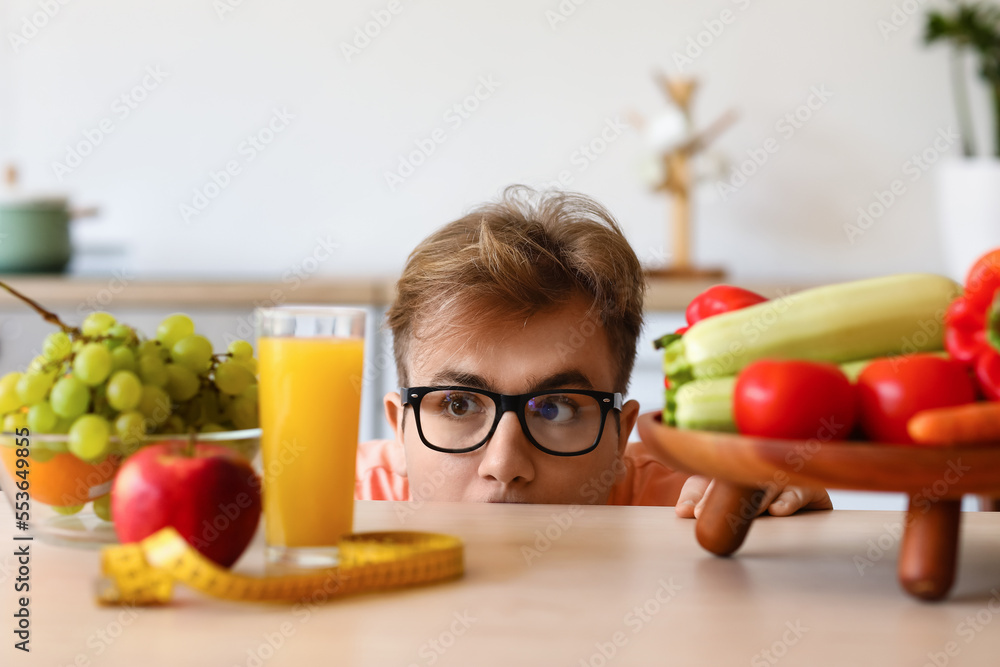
(47,315)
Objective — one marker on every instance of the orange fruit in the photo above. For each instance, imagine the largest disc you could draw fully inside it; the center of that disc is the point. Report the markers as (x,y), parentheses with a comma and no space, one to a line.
(62,480)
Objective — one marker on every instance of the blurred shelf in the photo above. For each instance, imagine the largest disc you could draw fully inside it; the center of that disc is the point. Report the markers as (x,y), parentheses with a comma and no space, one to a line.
(66,290)
(674,294)
(664,294)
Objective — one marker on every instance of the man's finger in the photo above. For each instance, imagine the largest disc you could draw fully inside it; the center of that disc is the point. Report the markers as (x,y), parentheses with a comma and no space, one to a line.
(794,498)
(691,494)
(700,506)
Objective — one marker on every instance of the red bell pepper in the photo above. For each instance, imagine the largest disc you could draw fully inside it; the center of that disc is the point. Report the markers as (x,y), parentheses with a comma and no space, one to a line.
(965,331)
(983,280)
(720,299)
(988,361)
(972,324)
(716,300)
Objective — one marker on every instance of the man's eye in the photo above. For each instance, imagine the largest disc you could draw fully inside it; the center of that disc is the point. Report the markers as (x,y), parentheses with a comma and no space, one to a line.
(553,408)
(461,405)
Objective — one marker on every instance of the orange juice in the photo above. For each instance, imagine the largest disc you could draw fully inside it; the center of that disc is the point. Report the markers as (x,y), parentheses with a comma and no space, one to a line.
(310,404)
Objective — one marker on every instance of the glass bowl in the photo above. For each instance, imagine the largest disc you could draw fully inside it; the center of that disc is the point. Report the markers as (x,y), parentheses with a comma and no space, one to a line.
(62,488)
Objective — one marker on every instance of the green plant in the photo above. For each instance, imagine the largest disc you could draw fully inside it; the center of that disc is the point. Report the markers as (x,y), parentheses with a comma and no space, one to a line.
(970,27)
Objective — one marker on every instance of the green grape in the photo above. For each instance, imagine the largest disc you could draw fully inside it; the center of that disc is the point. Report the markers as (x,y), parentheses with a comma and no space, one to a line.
(89,437)
(122,359)
(99,398)
(97,324)
(70,397)
(131,429)
(241,350)
(152,370)
(243,412)
(148,347)
(155,404)
(173,328)
(210,409)
(193,352)
(250,365)
(211,427)
(38,364)
(33,387)
(121,334)
(66,510)
(9,398)
(102,507)
(251,392)
(57,346)
(182,384)
(14,421)
(175,425)
(124,390)
(92,363)
(42,454)
(232,378)
(42,418)
(61,428)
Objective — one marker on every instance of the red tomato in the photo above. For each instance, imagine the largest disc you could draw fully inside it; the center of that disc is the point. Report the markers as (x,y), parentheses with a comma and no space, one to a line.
(983,280)
(892,390)
(794,399)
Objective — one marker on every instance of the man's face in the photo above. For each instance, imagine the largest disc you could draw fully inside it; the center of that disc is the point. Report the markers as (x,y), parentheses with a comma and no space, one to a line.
(549,350)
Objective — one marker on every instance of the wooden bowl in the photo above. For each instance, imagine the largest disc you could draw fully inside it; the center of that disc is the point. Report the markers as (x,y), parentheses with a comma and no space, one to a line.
(935,478)
(944,472)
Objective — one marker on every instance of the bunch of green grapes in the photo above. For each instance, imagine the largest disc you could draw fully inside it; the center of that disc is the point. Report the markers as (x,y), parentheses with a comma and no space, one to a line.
(107,387)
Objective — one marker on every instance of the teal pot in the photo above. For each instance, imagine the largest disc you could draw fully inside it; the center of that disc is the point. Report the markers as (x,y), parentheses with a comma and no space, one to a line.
(34,234)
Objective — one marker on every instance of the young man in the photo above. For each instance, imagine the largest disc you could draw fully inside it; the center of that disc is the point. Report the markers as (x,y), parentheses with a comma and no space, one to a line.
(514,332)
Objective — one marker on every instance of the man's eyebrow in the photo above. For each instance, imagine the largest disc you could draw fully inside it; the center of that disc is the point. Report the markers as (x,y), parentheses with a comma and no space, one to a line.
(460,378)
(567,379)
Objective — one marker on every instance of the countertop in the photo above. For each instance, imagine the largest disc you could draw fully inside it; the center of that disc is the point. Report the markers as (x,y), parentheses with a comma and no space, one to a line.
(553,585)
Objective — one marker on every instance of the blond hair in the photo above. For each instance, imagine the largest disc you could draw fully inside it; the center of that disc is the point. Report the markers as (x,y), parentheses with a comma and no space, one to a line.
(510,258)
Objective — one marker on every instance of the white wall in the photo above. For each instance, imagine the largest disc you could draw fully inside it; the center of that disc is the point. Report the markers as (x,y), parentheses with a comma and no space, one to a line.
(323,175)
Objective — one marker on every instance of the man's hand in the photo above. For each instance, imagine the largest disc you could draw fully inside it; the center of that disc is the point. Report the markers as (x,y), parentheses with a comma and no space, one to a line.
(778,501)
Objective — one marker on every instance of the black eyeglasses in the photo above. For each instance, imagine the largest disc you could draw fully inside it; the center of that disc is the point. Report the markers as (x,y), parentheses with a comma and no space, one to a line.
(562,422)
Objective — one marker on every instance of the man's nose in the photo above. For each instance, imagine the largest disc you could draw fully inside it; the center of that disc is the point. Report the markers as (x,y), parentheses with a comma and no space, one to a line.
(507,455)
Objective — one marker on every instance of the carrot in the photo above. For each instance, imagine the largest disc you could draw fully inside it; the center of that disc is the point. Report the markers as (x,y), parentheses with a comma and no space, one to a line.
(969,423)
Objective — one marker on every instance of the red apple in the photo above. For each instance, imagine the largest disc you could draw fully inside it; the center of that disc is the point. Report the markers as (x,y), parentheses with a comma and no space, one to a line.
(211,496)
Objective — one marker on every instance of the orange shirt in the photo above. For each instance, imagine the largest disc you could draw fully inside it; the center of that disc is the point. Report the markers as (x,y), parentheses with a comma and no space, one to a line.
(646,481)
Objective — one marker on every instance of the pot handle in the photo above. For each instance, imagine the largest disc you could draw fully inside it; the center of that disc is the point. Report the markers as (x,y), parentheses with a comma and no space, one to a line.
(85,212)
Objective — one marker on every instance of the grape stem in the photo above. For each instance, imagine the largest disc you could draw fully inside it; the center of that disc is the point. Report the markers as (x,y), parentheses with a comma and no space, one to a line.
(192,438)
(47,315)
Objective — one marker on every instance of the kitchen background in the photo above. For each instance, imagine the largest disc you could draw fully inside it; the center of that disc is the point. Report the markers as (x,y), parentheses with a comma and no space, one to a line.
(304,140)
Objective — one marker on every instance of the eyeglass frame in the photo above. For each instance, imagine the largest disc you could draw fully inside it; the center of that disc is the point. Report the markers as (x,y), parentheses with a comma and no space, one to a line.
(515,403)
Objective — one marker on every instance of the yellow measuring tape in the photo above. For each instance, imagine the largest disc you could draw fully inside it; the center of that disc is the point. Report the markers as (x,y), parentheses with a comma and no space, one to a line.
(143,573)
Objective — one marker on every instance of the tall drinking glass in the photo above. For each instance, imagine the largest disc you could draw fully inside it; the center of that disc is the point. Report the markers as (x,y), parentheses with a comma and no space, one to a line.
(310,363)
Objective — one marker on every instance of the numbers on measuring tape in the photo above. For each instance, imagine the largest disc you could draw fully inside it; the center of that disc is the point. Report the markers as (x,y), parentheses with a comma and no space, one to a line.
(143,573)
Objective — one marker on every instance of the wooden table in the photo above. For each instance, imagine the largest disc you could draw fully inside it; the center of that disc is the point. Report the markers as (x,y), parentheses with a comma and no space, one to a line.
(547,586)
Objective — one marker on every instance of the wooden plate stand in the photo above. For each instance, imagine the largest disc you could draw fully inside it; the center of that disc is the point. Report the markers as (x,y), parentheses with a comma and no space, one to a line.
(934,478)
(928,551)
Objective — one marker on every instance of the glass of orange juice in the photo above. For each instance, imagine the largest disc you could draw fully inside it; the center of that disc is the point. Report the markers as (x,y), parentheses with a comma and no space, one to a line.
(310,364)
